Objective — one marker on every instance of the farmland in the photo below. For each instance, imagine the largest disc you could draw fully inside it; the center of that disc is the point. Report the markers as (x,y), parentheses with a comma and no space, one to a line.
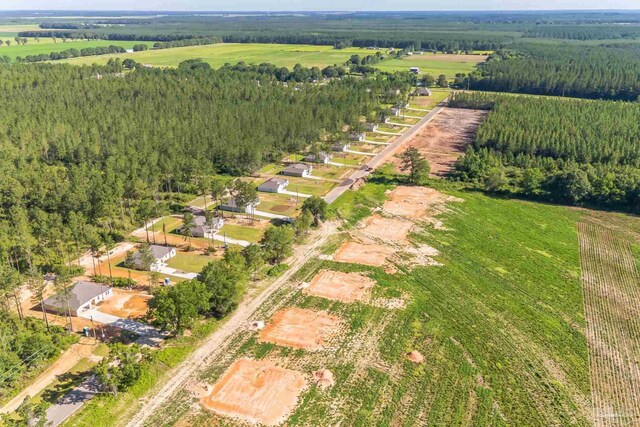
(288,55)
(501,332)
(47,45)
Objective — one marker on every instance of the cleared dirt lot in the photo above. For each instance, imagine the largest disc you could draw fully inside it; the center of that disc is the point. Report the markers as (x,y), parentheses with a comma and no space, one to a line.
(445,138)
(256,391)
(338,286)
(301,328)
(418,203)
(358,253)
(127,304)
(387,229)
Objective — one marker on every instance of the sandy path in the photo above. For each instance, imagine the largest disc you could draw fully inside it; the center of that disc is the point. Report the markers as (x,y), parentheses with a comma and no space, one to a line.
(63,364)
(200,358)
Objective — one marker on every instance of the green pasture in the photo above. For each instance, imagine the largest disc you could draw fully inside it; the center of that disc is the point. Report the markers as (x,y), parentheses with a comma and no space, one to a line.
(193,263)
(441,63)
(241,232)
(47,45)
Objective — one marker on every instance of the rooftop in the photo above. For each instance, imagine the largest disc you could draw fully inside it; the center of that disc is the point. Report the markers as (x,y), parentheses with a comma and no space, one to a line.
(81,293)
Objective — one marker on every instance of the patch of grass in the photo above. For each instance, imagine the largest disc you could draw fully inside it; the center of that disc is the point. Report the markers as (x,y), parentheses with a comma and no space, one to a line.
(193,263)
(447,64)
(46,45)
(241,232)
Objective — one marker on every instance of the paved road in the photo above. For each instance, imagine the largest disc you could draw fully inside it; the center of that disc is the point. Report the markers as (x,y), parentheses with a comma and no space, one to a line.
(382,156)
(72,401)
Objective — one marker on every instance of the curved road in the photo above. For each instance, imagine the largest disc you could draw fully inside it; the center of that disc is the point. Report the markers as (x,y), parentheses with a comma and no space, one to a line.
(382,156)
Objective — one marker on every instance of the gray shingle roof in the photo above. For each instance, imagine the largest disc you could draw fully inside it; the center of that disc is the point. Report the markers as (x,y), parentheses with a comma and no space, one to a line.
(81,293)
(297,168)
(273,184)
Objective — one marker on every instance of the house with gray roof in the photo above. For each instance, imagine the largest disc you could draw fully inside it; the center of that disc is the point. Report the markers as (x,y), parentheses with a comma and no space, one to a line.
(422,91)
(340,146)
(322,157)
(203,228)
(230,205)
(298,169)
(274,185)
(357,136)
(82,296)
(371,127)
(160,254)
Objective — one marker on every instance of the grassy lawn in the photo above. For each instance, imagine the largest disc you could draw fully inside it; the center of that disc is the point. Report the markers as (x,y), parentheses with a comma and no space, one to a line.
(170,223)
(388,127)
(310,186)
(12,30)
(286,55)
(241,232)
(46,45)
(367,148)
(435,65)
(280,204)
(271,169)
(403,120)
(189,262)
(376,137)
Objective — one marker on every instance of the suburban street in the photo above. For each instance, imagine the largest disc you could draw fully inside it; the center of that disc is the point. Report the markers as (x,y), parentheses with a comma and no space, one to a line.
(382,156)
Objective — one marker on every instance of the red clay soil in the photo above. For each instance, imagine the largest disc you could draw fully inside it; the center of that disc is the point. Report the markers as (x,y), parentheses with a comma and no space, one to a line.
(324,378)
(387,229)
(127,304)
(256,391)
(338,286)
(300,328)
(416,202)
(358,253)
(445,138)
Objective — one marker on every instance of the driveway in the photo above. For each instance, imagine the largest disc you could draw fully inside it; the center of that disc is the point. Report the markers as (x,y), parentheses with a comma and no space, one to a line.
(72,401)
(270,215)
(148,334)
(231,241)
(294,194)
(176,273)
(381,132)
(376,142)
(363,153)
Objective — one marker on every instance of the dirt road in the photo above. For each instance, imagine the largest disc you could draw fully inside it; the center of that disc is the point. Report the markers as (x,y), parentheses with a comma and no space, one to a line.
(200,358)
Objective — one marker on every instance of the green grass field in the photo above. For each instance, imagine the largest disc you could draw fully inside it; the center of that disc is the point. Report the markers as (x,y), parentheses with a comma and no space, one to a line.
(46,45)
(289,55)
(12,30)
(189,262)
(241,232)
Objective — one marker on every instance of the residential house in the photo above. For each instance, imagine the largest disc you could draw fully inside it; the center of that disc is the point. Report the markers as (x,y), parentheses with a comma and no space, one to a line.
(422,91)
(203,228)
(322,157)
(371,127)
(82,296)
(395,111)
(298,169)
(340,146)
(160,254)
(231,206)
(274,185)
(357,136)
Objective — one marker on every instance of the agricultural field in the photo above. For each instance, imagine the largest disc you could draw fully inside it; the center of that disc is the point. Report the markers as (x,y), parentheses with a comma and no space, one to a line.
(288,55)
(47,45)
(435,64)
(612,310)
(8,30)
(464,336)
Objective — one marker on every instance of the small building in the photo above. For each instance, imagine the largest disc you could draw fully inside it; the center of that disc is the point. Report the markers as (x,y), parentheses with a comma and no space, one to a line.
(298,169)
(83,296)
(274,185)
(203,228)
(231,206)
(422,91)
(371,127)
(161,254)
(322,157)
(340,146)
(357,136)
(414,70)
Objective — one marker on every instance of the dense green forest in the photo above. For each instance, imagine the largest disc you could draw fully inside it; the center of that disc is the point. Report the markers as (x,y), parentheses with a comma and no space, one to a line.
(569,151)
(82,145)
(611,72)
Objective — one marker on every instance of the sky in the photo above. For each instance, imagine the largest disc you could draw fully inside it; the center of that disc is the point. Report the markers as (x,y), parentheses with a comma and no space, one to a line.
(315,5)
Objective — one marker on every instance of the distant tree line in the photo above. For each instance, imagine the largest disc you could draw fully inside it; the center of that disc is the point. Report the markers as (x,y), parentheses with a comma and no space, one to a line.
(566,151)
(562,70)
(196,41)
(584,32)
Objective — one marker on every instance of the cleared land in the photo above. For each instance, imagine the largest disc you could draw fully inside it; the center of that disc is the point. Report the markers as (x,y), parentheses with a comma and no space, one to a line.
(46,45)
(256,391)
(127,304)
(447,64)
(339,286)
(446,137)
(299,328)
(611,287)
(358,253)
(387,229)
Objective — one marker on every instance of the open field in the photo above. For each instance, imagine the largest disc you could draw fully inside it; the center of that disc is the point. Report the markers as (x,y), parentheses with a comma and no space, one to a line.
(447,64)
(339,286)
(299,328)
(191,262)
(9,30)
(445,138)
(496,337)
(46,45)
(612,310)
(285,55)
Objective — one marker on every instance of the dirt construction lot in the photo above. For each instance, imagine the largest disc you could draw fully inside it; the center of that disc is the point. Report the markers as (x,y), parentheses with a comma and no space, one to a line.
(358,253)
(387,229)
(127,304)
(301,328)
(338,286)
(256,391)
(445,138)
(418,203)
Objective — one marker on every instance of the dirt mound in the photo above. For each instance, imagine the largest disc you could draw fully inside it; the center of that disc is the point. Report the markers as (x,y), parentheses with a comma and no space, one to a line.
(338,286)
(415,356)
(301,328)
(387,229)
(358,253)
(256,391)
(418,203)
(324,379)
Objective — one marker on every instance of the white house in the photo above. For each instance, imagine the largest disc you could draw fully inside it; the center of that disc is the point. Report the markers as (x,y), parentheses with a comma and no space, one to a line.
(274,185)
(371,127)
(414,70)
(203,228)
(322,157)
(83,296)
(231,206)
(298,169)
(340,146)
(395,111)
(161,254)
(357,136)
